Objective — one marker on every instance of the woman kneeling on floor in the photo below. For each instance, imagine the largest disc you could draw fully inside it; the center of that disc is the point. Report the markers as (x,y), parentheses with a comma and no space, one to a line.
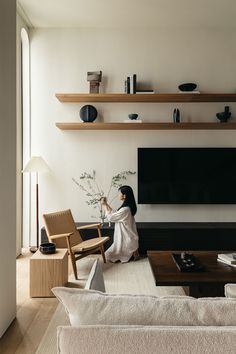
(125,243)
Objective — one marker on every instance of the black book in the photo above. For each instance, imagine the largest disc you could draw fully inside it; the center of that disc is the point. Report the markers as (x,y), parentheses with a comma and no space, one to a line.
(134,83)
(128,84)
(145,90)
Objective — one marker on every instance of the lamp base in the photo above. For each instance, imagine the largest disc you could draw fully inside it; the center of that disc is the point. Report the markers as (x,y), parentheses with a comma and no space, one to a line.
(33,249)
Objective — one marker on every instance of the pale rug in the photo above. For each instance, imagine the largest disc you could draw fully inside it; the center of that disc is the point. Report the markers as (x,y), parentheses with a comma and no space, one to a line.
(127,278)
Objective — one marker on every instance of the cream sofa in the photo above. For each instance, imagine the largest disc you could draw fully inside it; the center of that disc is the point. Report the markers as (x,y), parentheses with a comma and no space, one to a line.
(146,340)
(133,324)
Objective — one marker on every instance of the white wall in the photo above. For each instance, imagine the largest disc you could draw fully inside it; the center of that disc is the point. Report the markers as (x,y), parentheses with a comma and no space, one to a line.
(8,163)
(60,59)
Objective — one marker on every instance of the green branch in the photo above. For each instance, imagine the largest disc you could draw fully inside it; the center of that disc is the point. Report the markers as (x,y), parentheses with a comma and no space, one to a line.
(92,186)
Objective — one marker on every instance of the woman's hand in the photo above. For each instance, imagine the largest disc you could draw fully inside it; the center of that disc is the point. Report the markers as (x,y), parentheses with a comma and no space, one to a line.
(104,204)
(103,201)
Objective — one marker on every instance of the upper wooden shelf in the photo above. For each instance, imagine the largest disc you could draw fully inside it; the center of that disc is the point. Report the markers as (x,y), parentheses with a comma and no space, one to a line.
(156,97)
(146,126)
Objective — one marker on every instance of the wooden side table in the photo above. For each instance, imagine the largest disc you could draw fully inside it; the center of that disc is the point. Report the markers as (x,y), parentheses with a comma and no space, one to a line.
(48,271)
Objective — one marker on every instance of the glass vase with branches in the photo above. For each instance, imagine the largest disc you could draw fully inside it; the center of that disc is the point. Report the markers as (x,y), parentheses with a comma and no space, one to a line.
(89,185)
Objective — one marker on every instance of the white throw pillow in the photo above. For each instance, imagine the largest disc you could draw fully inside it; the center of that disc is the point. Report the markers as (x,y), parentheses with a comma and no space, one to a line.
(230,290)
(96,280)
(88,307)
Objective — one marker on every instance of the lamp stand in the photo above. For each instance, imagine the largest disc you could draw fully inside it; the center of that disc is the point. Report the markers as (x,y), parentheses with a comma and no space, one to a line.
(34,249)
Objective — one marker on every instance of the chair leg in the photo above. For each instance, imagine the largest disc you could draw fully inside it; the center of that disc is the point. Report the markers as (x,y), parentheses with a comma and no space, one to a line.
(103,253)
(74,266)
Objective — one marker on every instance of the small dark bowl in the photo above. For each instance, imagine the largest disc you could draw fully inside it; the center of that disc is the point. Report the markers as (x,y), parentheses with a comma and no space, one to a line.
(187,87)
(47,248)
(223,116)
(133,116)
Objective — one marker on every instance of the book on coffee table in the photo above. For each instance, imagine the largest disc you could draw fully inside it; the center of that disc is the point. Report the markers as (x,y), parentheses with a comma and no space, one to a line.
(229,258)
(225,262)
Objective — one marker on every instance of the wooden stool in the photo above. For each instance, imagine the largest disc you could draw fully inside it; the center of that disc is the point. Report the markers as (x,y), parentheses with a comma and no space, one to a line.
(48,271)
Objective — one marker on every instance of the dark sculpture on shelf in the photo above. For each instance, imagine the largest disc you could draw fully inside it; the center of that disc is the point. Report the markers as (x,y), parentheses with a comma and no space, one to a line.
(88,113)
(224,116)
(94,78)
(176,115)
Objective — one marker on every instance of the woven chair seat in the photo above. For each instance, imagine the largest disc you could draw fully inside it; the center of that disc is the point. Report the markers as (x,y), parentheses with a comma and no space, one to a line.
(89,244)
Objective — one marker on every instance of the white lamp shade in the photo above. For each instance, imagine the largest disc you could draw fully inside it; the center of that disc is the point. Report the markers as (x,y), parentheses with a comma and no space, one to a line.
(36,164)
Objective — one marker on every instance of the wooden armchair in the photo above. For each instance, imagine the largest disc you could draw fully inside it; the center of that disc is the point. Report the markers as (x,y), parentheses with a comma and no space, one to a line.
(61,230)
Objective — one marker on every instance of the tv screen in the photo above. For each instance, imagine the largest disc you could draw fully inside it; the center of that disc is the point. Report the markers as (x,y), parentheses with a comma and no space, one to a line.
(187,175)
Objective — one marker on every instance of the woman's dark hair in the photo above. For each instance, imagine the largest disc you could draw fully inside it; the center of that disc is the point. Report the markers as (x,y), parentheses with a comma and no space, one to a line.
(129,199)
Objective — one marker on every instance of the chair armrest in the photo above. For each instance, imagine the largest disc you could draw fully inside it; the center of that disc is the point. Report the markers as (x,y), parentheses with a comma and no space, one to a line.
(88,226)
(53,237)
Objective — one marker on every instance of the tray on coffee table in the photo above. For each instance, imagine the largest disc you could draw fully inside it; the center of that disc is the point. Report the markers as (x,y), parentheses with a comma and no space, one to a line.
(188,263)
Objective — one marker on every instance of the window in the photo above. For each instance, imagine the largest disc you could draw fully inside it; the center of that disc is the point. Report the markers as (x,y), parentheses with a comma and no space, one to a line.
(25,114)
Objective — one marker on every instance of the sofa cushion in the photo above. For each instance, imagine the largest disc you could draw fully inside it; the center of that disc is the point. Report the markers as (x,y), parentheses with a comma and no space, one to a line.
(230,290)
(146,340)
(88,307)
(96,280)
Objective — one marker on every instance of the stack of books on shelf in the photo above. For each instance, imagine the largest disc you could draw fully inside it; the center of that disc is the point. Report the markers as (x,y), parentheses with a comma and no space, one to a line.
(144,91)
(227,258)
(131,86)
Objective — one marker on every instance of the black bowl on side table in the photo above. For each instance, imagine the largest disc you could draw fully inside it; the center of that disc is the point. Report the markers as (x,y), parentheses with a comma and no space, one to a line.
(47,248)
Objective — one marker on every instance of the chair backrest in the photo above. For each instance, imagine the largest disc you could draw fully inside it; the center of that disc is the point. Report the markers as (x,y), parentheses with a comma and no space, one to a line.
(61,222)
(96,280)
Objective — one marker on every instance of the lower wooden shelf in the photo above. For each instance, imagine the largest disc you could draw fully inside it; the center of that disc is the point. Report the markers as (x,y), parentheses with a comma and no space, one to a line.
(146,126)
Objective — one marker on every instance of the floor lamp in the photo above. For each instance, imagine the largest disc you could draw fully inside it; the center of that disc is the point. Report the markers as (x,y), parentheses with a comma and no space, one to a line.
(37,165)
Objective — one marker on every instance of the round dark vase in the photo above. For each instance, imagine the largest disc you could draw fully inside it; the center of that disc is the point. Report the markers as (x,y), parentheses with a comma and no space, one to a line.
(88,113)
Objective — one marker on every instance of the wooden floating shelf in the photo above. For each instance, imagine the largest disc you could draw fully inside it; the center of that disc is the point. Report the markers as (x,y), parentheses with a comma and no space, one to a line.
(146,126)
(156,97)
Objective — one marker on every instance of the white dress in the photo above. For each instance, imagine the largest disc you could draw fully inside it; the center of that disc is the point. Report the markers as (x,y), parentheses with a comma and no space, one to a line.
(125,235)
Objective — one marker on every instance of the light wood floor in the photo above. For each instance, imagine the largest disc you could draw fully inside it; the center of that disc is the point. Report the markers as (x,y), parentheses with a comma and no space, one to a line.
(33,315)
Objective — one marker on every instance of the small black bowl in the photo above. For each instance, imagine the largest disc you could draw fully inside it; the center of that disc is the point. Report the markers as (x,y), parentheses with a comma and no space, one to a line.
(133,116)
(187,87)
(224,116)
(47,248)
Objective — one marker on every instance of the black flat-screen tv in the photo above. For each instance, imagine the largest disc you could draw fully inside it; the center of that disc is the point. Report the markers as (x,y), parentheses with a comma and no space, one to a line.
(187,175)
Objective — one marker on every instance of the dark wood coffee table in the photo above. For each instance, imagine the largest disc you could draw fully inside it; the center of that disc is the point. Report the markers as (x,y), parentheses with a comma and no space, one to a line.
(208,283)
